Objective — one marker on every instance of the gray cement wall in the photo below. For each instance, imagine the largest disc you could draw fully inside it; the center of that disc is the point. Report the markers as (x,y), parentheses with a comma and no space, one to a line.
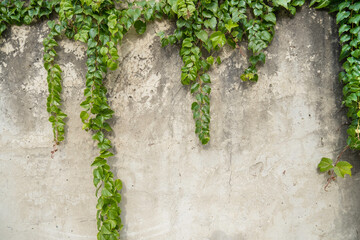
(257,179)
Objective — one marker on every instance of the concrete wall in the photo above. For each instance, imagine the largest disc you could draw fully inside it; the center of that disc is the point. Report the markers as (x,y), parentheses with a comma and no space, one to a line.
(257,179)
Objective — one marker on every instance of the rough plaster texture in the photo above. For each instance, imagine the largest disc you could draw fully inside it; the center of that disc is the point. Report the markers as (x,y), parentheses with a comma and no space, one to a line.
(257,178)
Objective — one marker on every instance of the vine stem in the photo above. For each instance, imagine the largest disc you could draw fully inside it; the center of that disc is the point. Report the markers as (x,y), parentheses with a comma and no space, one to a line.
(332,177)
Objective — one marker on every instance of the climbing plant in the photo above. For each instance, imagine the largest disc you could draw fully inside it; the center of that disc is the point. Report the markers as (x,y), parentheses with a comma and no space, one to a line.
(348,19)
(203,27)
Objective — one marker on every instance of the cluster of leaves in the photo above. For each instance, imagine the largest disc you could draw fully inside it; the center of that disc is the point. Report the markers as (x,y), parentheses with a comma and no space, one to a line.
(24,12)
(340,168)
(101,25)
(348,20)
(204,27)
(54,82)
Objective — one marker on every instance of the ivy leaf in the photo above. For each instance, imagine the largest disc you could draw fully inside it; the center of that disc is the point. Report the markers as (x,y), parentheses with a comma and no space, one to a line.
(106,193)
(98,162)
(212,6)
(270,18)
(140,26)
(265,35)
(355,7)
(343,28)
(323,3)
(210,23)
(194,87)
(104,50)
(325,164)
(218,38)
(210,60)
(230,25)
(218,60)
(84,116)
(341,16)
(355,19)
(202,35)
(283,3)
(342,168)
(205,78)
(118,184)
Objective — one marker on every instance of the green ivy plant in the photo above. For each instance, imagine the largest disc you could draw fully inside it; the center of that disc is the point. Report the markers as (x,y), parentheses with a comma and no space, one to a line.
(203,27)
(348,19)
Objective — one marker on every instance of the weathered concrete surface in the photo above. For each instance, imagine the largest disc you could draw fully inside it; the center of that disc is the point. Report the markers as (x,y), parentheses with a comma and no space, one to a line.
(257,178)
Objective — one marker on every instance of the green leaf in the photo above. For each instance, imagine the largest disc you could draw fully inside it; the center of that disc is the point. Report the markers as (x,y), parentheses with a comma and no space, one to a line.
(140,26)
(270,18)
(355,19)
(218,39)
(323,4)
(283,3)
(104,146)
(104,50)
(112,65)
(105,229)
(341,16)
(355,7)
(93,32)
(194,87)
(84,116)
(212,6)
(325,164)
(118,184)
(344,28)
(106,154)
(230,25)
(98,162)
(205,140)
(210,23)
(202,35)
(266,36)
(210,60)
(343,5)
(106,193)
(218,60)
(205,78)
(356,53)
(343,168)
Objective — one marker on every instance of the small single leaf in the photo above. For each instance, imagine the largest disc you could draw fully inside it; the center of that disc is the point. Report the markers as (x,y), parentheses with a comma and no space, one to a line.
(341,16)
(98,162)
(210,23)
(106,193)
(140,26)
(205,78)
(343,168)
(325,164)
(118,184)
(218,39)
(202,35)
(194,87)
(84,116)
(230,25)
(104,50)
(283,3)
(210,60)
(218,60)
(355,19)
(270,18)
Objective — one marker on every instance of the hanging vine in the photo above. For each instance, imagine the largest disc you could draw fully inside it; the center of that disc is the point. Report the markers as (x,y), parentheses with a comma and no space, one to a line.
(203,27)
